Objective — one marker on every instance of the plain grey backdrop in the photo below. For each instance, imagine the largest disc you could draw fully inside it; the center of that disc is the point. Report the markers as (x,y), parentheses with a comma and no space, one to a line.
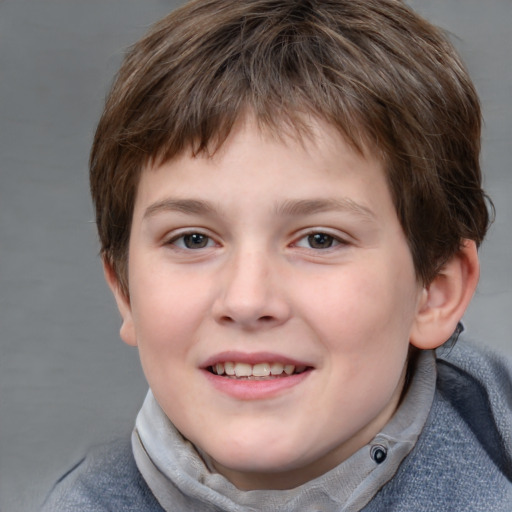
(66,380)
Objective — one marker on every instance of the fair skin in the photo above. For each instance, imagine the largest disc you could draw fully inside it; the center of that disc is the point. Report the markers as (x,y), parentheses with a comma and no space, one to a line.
(280,257)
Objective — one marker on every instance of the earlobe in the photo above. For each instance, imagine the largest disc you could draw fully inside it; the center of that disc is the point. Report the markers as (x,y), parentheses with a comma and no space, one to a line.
(127,331)
(445,299)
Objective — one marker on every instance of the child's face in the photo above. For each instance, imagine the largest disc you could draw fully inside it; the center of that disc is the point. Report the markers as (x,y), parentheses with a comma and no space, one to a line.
(271,254)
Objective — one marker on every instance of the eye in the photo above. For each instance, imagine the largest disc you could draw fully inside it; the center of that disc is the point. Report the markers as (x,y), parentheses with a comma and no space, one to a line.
(318,240)
(192,241)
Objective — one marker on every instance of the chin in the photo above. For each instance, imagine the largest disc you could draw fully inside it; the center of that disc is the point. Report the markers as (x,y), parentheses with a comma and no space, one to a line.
(259,458)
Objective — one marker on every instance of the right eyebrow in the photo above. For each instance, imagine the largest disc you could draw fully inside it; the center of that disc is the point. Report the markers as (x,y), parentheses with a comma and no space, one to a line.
(188,206)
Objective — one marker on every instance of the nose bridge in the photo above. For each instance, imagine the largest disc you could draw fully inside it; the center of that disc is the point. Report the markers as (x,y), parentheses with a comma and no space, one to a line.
(250,295)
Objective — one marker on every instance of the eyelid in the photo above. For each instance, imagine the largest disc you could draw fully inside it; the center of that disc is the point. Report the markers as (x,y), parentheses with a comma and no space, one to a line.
(177,234)
(342,240)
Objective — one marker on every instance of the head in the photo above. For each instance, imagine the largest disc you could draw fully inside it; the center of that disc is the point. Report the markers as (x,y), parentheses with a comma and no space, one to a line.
(224,127)
(384,77)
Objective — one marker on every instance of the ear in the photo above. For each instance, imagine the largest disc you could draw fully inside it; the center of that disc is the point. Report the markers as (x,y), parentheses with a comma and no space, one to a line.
(445,299)
(127,331)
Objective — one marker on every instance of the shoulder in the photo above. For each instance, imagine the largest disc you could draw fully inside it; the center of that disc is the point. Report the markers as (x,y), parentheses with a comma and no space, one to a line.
(485,366)
(107,478)
(463,458)
(477,384)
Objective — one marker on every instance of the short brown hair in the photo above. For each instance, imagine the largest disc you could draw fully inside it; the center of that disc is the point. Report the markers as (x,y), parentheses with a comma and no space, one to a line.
(385,77)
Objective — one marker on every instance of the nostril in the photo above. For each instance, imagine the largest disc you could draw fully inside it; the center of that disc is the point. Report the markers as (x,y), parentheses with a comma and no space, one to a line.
(262,320)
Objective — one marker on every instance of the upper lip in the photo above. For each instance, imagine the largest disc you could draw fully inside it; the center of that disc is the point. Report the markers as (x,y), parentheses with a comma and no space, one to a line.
(252,358)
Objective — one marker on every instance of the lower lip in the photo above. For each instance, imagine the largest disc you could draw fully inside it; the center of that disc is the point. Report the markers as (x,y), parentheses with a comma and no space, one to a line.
(245,389)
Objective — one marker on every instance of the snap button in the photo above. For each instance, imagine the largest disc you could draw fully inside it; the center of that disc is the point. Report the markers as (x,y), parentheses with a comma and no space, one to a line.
(378,453)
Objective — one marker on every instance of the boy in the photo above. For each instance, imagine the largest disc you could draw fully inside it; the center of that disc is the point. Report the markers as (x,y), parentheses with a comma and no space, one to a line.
(289,202)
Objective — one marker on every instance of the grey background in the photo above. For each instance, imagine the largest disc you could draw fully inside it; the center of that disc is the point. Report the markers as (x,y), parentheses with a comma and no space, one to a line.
(66,381)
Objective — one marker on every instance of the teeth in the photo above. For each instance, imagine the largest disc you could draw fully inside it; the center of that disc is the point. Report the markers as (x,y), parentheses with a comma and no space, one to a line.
(261,370)
(232,369)
(243,370)
(229,368)
(276,368)
(289,369)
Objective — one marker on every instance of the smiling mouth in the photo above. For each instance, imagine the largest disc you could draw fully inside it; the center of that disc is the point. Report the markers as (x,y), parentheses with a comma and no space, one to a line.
(260,371)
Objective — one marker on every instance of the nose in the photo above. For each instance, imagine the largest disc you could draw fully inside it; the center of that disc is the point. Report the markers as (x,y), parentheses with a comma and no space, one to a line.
(251,295)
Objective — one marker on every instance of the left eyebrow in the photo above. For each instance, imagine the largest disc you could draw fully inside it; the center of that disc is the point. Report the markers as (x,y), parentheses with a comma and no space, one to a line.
(187,206)
(311,206)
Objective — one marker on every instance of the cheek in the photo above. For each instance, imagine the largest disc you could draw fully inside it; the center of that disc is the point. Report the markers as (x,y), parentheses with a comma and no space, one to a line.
(167,328)
(163,299)
(365,312)
(167,321)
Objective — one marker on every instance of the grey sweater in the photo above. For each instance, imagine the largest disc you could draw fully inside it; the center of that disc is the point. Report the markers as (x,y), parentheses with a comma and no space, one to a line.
(462,460)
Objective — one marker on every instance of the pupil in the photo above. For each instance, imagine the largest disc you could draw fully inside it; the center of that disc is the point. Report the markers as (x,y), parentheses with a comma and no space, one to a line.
(195,241)
(320,241)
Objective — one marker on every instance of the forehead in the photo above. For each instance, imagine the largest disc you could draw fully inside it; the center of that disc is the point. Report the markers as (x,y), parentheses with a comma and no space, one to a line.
(309,132)
(301,122)
(302,170)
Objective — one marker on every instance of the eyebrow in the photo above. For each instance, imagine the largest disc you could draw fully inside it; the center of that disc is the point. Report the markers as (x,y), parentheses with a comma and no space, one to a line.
(312,206)
(290,207)
(188,206)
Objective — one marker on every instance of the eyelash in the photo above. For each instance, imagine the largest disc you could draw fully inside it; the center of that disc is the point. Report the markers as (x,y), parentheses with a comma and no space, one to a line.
(183,236)
(331,242)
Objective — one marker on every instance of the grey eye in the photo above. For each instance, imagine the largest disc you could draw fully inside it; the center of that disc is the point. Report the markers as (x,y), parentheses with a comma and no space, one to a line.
(320,241)
(193,241)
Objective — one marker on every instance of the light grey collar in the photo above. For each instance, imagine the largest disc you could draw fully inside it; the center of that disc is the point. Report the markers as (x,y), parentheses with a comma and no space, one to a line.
(181,480)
